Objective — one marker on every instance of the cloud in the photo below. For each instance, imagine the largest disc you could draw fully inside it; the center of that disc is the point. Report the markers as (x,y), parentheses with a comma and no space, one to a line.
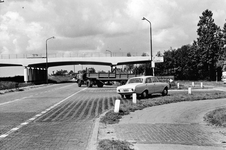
(101,24)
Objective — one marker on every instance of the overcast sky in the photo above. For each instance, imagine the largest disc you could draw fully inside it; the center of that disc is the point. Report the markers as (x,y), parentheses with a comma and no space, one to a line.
(100,25)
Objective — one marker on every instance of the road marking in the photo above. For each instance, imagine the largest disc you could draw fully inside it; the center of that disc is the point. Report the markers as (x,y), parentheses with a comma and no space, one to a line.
(36,116)
(13,101)
(1,104)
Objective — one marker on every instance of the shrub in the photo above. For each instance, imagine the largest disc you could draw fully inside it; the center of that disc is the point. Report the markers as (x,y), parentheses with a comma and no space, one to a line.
(216,117)
(110,118)
(114,145)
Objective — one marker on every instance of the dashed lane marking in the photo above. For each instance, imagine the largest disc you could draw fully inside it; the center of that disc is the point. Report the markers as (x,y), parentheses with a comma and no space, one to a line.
(36,116)
(1,104)
(14,100)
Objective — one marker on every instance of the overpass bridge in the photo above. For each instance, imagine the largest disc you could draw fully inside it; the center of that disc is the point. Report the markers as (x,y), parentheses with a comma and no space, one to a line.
(36,66)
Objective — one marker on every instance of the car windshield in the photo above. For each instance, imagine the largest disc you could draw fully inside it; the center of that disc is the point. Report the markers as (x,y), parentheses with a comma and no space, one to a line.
(135,80)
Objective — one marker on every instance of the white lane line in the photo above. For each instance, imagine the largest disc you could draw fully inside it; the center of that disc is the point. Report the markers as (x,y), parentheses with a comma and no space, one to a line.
(12,101)
(36,116)
(33,95)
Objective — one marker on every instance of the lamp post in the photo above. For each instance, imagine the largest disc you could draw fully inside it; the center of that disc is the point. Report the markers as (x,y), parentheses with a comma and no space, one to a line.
(47,59)
(110,52)
(150,41)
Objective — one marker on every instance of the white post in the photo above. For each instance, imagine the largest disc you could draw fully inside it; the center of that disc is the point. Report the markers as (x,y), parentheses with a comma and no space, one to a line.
(201,85)
(178,85)
(134,98)
(117,104)
(25,74)
(189,90)
(193,84)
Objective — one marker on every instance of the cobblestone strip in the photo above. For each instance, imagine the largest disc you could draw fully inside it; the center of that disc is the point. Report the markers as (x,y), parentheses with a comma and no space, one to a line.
(51,136)
(35,117)
(164,134)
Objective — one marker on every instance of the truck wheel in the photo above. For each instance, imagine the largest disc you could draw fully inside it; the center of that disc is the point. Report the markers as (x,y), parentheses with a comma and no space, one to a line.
(79,83)
(89,83)
(100,85)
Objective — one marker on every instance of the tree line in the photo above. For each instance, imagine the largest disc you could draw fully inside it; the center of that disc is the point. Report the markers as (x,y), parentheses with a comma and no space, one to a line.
(201,60)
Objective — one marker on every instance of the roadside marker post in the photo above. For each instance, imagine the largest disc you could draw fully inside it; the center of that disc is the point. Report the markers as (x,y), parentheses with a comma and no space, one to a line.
(189,90)
(201,85)
(134,98)
(193,84)
(178,85)
(117,105)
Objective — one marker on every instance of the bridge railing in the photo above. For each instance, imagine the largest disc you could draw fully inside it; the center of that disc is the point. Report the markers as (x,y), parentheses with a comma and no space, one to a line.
(59,55)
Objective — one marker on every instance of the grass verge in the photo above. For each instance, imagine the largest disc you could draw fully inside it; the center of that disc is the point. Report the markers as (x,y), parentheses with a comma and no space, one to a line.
(107,144)
(216,117)
(125,109)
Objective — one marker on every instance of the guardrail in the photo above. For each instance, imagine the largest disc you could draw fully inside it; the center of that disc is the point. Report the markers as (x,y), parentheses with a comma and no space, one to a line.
(60,55)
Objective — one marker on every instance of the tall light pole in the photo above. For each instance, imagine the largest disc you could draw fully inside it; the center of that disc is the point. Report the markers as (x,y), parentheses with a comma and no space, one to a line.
(47,59)
(150,41)
(110,52)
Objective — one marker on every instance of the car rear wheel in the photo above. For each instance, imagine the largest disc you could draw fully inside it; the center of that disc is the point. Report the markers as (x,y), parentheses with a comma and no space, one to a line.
(144,94)
(165,91)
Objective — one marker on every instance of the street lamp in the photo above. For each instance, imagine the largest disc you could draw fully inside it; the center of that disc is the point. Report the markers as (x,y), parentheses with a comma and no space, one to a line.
(47,59)
(110,52)
(150,41)
(1,1)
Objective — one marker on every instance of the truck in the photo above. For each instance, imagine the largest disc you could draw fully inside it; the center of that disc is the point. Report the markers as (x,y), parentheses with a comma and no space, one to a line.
(100,79)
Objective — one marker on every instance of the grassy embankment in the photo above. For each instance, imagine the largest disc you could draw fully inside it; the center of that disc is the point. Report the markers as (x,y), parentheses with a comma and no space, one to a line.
(215,117)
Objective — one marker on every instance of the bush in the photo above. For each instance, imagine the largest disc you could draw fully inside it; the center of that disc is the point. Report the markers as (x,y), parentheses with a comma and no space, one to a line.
(114,145)
(110,118)
(216,117)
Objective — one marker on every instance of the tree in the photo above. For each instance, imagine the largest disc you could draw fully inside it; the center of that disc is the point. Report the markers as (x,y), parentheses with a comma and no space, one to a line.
(144,54)
(208,44)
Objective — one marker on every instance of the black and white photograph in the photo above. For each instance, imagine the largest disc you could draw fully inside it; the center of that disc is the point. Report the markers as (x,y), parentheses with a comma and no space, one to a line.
(112,75)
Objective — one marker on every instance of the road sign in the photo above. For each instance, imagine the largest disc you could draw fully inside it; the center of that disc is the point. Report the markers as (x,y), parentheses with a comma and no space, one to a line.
(158,59)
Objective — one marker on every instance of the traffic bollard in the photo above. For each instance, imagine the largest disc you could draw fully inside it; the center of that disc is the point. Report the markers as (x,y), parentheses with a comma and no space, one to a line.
(178,85)
(201,85)
(189,90)
(134,98)
(117,105)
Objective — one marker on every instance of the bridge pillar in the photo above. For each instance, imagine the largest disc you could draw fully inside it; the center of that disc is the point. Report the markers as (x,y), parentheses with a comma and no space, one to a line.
(30,74)
(25,74)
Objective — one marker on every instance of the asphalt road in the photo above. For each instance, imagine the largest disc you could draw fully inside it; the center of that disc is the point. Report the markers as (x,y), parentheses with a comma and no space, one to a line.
(61,116)
(57,116)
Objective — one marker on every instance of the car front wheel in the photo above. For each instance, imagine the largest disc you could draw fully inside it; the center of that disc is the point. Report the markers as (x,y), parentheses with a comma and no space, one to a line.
(144,94)
(165,91)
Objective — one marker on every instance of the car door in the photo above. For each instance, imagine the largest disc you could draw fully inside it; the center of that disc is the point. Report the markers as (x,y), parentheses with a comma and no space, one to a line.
(158,86)
(150,85)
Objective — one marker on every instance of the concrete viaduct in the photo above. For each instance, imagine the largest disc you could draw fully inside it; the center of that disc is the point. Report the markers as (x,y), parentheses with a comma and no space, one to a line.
(35,67)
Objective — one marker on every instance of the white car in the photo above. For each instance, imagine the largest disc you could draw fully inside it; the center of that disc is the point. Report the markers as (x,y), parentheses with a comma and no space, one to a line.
(143,86)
